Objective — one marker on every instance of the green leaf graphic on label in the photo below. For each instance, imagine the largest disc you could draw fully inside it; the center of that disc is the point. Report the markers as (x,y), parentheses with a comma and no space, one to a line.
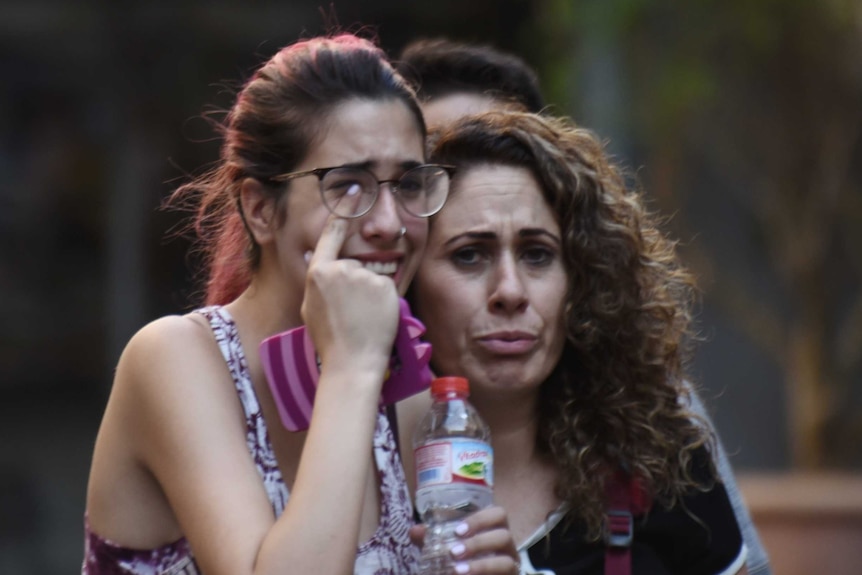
(474,469)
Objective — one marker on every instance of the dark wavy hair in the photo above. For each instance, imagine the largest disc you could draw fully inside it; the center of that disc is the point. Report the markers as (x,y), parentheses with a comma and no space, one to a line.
(278,115)
(614,400)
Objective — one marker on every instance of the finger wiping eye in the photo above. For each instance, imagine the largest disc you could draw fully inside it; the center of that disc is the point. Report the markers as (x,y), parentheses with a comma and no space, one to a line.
(353,190)
(330,241)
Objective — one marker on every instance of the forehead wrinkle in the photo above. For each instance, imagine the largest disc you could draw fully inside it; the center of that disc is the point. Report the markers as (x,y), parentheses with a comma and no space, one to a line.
(498,199)
(368,134)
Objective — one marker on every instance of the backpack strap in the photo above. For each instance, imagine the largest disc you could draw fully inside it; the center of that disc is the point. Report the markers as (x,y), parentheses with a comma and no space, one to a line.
(625,499)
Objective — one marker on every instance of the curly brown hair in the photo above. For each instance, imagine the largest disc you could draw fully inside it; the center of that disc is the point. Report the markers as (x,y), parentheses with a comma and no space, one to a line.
(615,399)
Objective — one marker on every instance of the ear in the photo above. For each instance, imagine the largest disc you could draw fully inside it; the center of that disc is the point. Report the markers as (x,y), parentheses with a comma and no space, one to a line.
(259,210)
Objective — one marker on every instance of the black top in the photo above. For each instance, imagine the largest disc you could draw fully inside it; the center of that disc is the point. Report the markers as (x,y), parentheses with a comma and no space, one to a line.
(698,536)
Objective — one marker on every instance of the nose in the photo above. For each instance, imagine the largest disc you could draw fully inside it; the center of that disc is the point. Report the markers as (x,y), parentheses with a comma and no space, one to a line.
(384,220)
(509,294)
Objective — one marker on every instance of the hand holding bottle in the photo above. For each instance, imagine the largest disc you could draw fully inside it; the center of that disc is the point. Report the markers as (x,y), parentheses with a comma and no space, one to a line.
(484,545)
(454,473)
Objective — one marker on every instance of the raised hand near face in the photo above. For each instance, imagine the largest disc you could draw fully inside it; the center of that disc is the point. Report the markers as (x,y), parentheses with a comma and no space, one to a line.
(351,312)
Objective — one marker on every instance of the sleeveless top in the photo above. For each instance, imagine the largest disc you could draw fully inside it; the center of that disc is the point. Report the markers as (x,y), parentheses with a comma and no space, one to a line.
(388,552)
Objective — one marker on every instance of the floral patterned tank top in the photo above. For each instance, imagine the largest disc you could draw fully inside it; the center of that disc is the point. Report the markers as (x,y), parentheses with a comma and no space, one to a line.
(388,552)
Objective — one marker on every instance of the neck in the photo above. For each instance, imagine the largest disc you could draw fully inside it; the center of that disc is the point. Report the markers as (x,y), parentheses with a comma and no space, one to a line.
(514,425)
(524,478)
(265,311)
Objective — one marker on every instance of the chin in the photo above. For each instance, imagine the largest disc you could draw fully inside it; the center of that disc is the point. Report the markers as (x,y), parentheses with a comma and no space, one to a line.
(506,376)
(499,380)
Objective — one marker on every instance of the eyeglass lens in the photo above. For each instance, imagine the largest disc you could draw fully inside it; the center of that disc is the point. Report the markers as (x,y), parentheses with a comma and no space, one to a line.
(421,190)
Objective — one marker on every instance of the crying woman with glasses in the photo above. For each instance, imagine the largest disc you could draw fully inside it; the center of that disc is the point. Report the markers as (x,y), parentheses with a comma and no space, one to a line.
(315,215)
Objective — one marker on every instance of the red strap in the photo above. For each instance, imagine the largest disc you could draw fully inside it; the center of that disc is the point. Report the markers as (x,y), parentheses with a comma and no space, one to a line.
(618,561)
(626,499)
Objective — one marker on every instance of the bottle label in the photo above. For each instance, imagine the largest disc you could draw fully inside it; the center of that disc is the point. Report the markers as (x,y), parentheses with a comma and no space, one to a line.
(454,461)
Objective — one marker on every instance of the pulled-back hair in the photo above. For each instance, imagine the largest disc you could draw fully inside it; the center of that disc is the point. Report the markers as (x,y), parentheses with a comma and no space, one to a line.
(614,399)
(440,67)
(279,114)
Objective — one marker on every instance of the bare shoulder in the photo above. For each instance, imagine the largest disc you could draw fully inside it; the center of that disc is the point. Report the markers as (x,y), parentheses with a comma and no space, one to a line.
(163,371)
(170,372)
(169,352)
(167,339)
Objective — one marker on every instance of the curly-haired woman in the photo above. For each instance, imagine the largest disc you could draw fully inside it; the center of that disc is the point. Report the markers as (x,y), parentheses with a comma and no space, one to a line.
(549,286)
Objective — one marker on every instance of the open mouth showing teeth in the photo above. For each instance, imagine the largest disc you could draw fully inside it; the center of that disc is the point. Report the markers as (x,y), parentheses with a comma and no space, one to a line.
(382,268)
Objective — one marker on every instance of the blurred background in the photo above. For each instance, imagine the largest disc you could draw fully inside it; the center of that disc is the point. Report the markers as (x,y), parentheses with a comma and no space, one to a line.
(742,119)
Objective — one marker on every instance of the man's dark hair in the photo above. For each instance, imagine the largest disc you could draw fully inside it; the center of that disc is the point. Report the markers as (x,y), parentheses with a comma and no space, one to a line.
(439,67)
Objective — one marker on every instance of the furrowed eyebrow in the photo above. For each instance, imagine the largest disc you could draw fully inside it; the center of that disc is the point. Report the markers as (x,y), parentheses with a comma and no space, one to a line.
(485,236)
(535,232)
(368,165)
(489,236)
(410,164)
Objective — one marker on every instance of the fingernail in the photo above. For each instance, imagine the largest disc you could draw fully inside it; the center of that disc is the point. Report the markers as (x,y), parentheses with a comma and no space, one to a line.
(462,568)
(457,549)
(307,255)
(462,529)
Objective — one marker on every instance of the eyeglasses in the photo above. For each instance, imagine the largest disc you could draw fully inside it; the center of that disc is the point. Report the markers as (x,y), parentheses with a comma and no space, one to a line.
(422,190)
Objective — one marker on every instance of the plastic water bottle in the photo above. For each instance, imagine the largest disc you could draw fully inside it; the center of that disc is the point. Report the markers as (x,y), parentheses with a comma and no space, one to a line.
(454,470)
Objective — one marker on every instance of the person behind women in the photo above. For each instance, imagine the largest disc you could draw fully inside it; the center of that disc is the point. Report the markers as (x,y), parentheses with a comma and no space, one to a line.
(192,471)
(454,80)
(549,287)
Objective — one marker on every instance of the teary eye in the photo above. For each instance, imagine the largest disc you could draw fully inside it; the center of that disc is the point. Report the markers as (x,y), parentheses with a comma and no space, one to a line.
(538,256)
(344,186)
(467,256)
(411,185)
